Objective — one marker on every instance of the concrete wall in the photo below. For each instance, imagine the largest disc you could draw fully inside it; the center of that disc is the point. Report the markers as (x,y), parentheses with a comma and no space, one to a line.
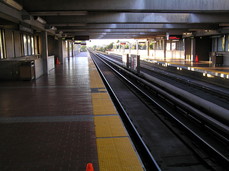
(17,44)
(226,59)
(188,50)
(53,46)
(9,44)
(51,63)
(38,68)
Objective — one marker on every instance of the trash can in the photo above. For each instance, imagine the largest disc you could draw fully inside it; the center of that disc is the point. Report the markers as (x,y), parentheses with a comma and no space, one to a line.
(219,60)
(27,70)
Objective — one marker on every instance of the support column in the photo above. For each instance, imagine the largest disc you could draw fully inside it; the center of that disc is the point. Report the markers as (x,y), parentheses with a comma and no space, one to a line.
(72,48)
(137,47)
(68,49)
(61,52)
(165,43)
(147,47)
(193,49)
(44,52)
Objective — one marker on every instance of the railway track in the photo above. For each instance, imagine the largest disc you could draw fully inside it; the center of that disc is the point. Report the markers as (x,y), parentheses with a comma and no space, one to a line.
(169,133)
(218,94)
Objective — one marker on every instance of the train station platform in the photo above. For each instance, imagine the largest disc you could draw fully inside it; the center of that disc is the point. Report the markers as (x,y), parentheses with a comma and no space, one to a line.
(63,121)
(206,68)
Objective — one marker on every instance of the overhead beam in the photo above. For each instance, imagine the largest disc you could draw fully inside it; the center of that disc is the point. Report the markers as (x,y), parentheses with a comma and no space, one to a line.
(137,26)
(15,16)
(146,18)
(59,13)
(125,33)
(8,13)
(116,30)
(129,5)
(13,4)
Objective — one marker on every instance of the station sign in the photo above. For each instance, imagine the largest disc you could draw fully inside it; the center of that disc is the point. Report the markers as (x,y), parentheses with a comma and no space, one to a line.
(175,37)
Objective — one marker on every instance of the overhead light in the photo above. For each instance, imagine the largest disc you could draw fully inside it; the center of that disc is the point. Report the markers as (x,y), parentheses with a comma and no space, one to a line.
(71,24)
(13,4)
(53,28)
(41,20)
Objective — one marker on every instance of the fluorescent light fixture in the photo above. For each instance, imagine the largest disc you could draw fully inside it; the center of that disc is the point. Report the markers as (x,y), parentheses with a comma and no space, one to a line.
(41,20)
(53,28)
(59,13)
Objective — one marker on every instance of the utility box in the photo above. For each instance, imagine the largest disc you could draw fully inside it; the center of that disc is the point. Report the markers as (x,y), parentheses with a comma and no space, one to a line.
(27,70)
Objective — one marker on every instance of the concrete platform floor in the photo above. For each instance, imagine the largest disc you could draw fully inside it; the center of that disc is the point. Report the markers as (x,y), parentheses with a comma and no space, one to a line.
(62,121)
(47,124)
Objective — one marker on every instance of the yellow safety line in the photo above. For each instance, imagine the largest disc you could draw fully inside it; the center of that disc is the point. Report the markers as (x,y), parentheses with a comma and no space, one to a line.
(115,149)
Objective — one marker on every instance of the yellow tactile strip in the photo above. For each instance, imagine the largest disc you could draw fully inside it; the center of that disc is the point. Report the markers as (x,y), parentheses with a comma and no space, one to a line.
(115,150)
(103,107)
(117,154)
(109,126)
(95,80)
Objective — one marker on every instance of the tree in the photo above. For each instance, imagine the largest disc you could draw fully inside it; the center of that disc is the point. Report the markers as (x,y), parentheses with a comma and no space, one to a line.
(110,46)
(83,48)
